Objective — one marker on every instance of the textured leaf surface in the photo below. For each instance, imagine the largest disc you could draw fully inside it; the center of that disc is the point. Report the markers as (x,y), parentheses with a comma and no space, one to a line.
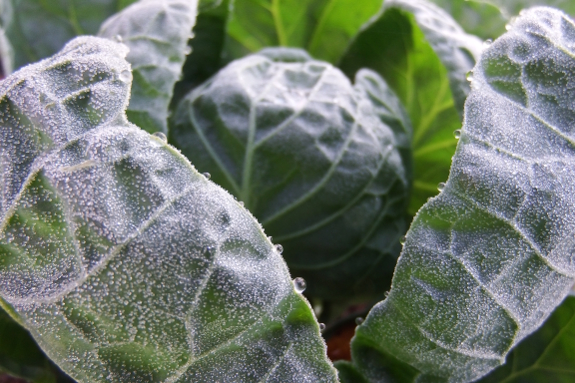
(547,355)
(487,261)
(322,27)
(207,46)
(424,56)
(317,160)
(125,264)
(40,28)
(157,33)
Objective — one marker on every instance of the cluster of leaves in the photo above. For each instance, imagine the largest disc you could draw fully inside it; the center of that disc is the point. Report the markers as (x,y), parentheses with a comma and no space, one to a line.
(330,124)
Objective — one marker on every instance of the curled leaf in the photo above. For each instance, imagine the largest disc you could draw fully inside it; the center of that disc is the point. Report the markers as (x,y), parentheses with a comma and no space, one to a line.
(487,261)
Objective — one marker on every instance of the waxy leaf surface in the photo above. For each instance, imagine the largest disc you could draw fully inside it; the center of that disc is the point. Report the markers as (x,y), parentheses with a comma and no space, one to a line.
(319,161)
(124,263)
(157,34)
(487,261)
(424,56)
(40,28)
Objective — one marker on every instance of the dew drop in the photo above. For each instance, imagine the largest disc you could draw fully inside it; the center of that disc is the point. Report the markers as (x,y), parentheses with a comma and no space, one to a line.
(321,326)
(279,248)
(299,284)
(457,133)
(440,186)
(469,76)
(119,38)
(359,320)
(241,203)
(125,76)
(207,175)
(487,43)
(161,136)
(402,240)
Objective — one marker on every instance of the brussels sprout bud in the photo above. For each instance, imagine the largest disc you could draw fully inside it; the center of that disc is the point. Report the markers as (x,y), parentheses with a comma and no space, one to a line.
(323,164)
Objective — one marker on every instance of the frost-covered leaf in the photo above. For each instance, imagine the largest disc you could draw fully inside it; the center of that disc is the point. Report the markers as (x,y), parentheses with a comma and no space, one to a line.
(317,160)
(488,260)
(424,56)
(322,27)
(547,355)
(20,355)
(40,28)
(157,33)
(207,46)
(124,263)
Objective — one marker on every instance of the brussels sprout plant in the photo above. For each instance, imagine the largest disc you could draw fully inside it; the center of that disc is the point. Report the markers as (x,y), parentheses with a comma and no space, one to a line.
(287,191)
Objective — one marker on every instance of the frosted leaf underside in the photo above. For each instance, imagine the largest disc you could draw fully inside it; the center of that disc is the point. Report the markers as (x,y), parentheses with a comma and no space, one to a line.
(316,159)
(157,33)
(124,263)
(487,261)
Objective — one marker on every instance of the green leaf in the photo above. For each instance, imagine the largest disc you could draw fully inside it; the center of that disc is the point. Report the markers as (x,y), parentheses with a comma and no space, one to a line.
(424,56)
(157,33)
(40,28)
(510,8)
(547,355)
(207,46)
(19,354)
(323,27)
(488,260)
(478,18)
(317,160)
(124,263)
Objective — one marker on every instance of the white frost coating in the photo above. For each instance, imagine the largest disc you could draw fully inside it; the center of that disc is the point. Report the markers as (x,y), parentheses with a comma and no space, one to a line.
(157,33)
(487,261)
(456,49)
(124,263)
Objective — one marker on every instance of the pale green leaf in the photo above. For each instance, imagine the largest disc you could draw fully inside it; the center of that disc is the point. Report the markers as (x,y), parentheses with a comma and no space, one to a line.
(40,28)
(157,33)
(124,263)
(424,56)
(487,261)
(319,161)
(323,27)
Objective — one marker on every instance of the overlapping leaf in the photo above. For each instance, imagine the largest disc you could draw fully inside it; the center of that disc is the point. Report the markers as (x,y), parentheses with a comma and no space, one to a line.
(322,27)
(124,263)
(488,260)
(547,355)
(324,165)
(424,56)
(157,33)
(40,28)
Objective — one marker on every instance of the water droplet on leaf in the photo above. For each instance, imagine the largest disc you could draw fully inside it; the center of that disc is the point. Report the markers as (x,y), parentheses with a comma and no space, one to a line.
(125,76)
(119,38)
(279,248)
(440,186)
(161,136)
(402,240)
(299,284)
(487,43)
(457,133)
(359,320)
(469,76)
(321,326)
(207,175)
